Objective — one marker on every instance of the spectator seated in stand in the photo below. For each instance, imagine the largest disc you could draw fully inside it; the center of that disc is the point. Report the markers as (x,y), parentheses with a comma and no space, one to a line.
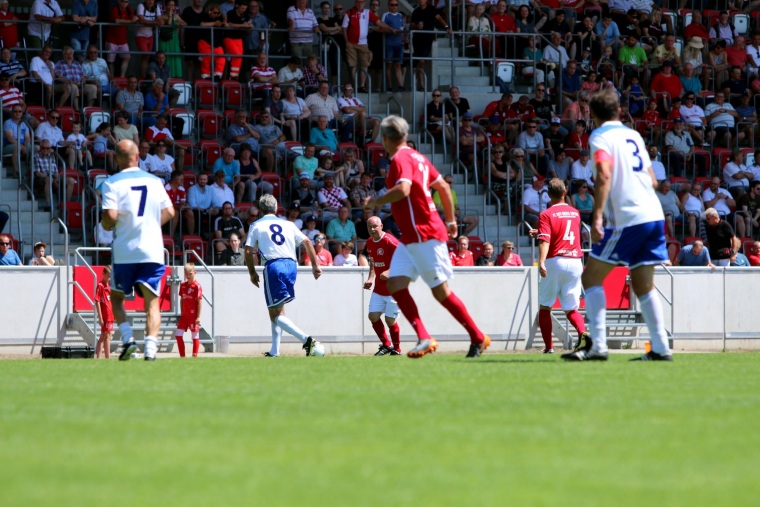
(467,223)
(694,255)
(736,175)
(754,254)
(200,199)
(346,256)
(487,258)
(324,257)
(508,257)
(160,132)
(39,258)
(224,226)
(462,255)
(233,255)
(748,209)
(323,137)
(8,256)
(331,198)
(220,191)
(671,206)
(340,229)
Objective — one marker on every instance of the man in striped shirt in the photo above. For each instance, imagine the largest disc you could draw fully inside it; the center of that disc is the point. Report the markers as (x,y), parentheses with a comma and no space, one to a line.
(301,24)
(262,76)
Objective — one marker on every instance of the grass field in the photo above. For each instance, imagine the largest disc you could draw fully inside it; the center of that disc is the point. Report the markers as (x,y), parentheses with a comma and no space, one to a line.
(509,429)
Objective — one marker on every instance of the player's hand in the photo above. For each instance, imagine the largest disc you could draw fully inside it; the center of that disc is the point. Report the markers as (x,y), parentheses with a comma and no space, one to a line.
(368,203)
(255,279)
(597,230)
(453,230)
(316,271)
(533,233)
(367,285)
(101,323)
(542,270)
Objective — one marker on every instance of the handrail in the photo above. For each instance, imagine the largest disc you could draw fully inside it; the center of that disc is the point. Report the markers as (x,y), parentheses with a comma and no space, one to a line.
(208,300)
(532,242)
(23,186)
(672,299)
(388,102)
(330,42)
(65,237)
(78,255)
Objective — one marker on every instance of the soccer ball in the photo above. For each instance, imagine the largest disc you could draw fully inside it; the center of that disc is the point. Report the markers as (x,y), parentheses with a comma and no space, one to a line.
(318,350)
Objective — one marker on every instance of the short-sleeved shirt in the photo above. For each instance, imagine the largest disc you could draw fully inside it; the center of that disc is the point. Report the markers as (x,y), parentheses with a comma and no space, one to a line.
(230,170)
(18,130)
(274,238)
(118,34)
(415,214)
(11,97)
(720,206)
(560,226)
(687,258)
(722,119)
(261,72)
(42,68)
(381,253)
(322,106)
(228,225)
(460,260)
(147,31)
(189,295)
(139,199)
(333,197)
(339,231)
(132,102)
(357,23)
(10,258)
(103,296)
(176,196)
(303,25)
(96,69)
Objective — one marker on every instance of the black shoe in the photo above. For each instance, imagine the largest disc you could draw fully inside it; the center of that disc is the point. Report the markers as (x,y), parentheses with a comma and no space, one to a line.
(585,355)
(127,350)
(309,345)
(148,358)
(384,350)
(394,352)
(584,342)
(267,354)
(547,351)
(653,356)
(474,350)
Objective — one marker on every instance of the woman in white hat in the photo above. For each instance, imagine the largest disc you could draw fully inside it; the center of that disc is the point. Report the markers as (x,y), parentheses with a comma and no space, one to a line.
(692,53)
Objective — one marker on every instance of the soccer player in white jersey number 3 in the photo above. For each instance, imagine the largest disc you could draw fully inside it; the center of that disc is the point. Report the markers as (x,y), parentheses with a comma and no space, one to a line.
(135,206)
(422,251)
(634,235)
(276,241)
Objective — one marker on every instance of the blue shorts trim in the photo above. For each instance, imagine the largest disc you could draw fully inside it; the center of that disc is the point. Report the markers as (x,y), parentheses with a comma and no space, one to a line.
(633,246)
(126,277)
(279,281)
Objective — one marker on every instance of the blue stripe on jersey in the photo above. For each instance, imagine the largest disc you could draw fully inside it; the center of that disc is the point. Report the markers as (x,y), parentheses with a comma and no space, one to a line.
(130,173)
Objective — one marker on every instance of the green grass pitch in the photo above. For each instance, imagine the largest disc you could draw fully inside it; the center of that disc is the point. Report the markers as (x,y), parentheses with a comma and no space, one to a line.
(506,429)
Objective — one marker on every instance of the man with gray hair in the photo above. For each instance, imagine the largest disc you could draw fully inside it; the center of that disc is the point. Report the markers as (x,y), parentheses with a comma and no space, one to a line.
(275,240)
(694,255)
(70,73)
(422,251)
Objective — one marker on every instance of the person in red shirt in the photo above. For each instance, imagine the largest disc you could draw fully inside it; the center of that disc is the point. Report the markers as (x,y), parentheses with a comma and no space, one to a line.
(560,264)
(736,53)
(753,256)
(503,22)
(116,36)
(380,249)
(324,257)
(650,121)
(178,196)
(665,86)
(355,29)
(422,251)
(8,26)
(696,28)
(105,314)
(578,140)
(462,256)
(191,301)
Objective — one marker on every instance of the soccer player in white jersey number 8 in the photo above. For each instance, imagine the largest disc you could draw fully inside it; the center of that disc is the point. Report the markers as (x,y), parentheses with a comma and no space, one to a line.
(635,234)
(135,206)
(276,241)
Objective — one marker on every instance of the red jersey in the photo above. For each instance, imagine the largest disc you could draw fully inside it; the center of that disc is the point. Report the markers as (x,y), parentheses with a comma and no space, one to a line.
(461,260)
(415,215)
(190,294)
(651,117)
(560,225)
(357,23)
(9,34)
(118,34)
(177,196)
(381,252)
(503,23)
(103,296)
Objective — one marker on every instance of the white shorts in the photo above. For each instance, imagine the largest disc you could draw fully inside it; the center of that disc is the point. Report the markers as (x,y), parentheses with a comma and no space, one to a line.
(383,304)
(563,281)
(430,260)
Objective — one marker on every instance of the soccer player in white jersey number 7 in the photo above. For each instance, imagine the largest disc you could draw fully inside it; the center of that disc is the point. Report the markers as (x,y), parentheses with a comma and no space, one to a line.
(422,251)
(635,234)
(135,206)
(276,241)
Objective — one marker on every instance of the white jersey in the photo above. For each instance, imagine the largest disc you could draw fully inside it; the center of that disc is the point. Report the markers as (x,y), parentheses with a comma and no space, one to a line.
(631,200)
(139,198)
(274,238)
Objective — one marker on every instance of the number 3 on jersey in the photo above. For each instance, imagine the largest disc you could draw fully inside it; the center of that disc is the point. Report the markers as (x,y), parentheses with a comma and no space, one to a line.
(277,237)
(635,153)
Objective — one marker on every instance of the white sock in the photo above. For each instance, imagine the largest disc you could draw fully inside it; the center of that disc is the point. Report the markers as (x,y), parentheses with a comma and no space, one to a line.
(276,337)
(151,346)
(126,332)
(287,325)
(596,311)
(651,308)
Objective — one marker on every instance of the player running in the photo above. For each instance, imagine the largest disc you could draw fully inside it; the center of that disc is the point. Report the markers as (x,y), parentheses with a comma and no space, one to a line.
(191,297)
(559,264)
(422,251)
(135,206)
(380,248)
(634,235)
(105,314)
(276,241)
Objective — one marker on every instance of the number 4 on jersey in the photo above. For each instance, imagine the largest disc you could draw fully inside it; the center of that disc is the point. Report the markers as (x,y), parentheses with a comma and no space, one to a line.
(569,234)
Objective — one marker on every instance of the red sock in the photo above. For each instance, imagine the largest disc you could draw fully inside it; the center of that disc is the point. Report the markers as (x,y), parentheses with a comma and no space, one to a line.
(545,323)
(409,309)
(576,319)
(180,345)
(196,346)
(456,308)
(396,336)
(380,330)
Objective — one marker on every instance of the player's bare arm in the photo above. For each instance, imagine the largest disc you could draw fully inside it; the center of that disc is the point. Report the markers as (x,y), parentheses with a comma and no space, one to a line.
(602,192)
(315,269)
(444,191)
(198,312)
(167,214)
(109,219)
(543,252)
(250,263)
(371,277)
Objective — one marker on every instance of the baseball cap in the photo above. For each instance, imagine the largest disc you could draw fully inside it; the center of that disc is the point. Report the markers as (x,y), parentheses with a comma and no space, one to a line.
(667,63)
(467,115)
(538,178)
(295,205)
(556,119)
(329,174)
(311,218)
(678,119)
(304,175)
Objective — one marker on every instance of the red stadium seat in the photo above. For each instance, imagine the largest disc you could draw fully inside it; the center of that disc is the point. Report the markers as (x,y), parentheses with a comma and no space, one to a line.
(234,95)
(206,94)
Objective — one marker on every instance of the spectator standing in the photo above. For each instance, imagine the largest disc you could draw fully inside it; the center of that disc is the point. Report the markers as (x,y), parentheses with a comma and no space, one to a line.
(42,17)
(394,47)
(193,15)
(355,30)
(301,24)
(720,236)
(84,12)
(168,42)
(423,19)
(239,24)
(210,42)
(116,36)
(150,15)
(8,26)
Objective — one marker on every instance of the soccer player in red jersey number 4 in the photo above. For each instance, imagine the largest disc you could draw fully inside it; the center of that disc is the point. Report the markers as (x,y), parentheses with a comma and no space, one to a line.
(422,251)
(380,248)
(191,297)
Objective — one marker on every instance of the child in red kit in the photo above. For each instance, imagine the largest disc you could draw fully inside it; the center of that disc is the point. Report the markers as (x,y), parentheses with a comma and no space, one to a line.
(191,296)
(105,314)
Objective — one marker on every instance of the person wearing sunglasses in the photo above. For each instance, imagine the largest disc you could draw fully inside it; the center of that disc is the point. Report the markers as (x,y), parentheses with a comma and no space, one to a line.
(8,256)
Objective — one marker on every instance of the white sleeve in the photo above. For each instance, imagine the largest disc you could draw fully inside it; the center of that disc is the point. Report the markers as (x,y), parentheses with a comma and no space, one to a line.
(298,236)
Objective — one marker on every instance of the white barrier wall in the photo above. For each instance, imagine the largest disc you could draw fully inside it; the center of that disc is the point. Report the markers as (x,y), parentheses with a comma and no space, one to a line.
(503,302)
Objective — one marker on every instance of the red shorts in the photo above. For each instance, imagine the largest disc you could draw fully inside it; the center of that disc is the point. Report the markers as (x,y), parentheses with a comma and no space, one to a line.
(144,44)
(107,327)
(188,322)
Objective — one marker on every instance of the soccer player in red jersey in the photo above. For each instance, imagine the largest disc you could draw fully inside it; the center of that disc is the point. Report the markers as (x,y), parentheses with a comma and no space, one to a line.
(380,248)
(559,264)
(422,250)
(105,314)
(191,296)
